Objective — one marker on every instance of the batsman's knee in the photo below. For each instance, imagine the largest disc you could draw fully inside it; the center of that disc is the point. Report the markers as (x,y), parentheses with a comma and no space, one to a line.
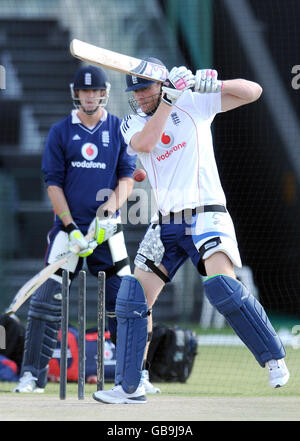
(131,300)
(46,302)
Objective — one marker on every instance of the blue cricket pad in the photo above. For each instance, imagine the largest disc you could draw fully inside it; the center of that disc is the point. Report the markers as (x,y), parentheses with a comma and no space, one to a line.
(131,312)
(246,316)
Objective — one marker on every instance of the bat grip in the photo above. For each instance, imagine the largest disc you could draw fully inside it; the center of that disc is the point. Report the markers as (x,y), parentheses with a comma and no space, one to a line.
(88,237)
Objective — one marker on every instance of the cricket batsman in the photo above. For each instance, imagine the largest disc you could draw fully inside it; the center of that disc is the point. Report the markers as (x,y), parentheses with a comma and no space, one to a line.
(170,130)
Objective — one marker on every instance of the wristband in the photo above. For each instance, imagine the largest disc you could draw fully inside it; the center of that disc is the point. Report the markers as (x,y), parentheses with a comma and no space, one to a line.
(70,227)
(166,100)
(64,213)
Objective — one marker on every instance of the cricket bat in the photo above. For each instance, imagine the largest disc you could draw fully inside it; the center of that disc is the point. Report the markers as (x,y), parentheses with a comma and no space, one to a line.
(36,281)
(113,60)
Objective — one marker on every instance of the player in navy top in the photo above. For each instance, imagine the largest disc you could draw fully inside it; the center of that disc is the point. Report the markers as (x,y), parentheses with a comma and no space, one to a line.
(87,171)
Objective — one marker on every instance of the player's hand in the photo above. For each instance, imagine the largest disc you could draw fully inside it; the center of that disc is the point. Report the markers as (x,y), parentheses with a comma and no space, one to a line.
(104,228)
(77,242)
(206,81)
(179,79)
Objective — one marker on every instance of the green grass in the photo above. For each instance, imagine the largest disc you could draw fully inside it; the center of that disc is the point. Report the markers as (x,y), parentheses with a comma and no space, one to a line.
(232,371)
(227,371)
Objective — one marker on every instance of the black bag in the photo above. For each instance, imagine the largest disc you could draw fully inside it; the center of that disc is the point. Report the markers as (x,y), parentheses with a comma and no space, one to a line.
(15,338)
(171,354)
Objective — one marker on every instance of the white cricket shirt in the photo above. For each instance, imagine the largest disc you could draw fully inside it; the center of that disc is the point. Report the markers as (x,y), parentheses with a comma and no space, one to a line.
(182,169)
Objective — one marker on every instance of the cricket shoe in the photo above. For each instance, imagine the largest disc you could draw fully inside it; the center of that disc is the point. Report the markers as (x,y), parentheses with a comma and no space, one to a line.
(149,388)
(27,383)
(278,373)
(117,395)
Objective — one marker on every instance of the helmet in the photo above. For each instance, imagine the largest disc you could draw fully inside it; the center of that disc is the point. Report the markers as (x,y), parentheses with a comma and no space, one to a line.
(90,78)
(134,83)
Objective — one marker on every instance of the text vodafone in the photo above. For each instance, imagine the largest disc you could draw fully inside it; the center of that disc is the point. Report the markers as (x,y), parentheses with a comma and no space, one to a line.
(87,164)
(169,152)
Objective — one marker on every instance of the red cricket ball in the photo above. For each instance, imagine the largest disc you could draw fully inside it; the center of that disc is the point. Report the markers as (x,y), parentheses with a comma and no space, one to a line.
(139,175)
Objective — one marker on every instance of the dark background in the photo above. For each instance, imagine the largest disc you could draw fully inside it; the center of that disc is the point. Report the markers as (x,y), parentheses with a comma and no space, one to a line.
(261,186)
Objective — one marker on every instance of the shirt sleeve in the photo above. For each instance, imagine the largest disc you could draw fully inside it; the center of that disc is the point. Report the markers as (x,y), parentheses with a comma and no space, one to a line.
(207,105)
(53,161)
(130,126)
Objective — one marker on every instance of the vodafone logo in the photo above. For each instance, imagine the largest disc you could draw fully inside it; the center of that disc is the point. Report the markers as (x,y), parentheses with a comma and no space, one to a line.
(169,152)
(89,151)
(166,140)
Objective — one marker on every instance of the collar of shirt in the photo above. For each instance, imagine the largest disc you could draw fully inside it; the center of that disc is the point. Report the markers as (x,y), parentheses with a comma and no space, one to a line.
(76,120)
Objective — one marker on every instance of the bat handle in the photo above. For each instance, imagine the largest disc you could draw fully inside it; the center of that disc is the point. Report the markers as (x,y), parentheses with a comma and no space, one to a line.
(88,237)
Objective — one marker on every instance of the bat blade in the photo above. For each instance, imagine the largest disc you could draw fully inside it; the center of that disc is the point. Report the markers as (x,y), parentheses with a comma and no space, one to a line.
(33,284)
(113,60)
(36,281)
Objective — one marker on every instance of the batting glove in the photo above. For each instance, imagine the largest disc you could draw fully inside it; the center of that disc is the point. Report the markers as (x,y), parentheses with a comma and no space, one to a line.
(179,79)
(77,242)
(104,228)
(206,81)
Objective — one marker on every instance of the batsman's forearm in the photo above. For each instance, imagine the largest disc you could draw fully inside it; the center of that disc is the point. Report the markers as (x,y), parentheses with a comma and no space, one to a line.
(59,204)
(146,140)
(119,195)
(246,90)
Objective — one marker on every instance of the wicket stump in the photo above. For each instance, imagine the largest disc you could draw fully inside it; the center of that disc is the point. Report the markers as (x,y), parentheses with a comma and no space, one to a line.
(81,333)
